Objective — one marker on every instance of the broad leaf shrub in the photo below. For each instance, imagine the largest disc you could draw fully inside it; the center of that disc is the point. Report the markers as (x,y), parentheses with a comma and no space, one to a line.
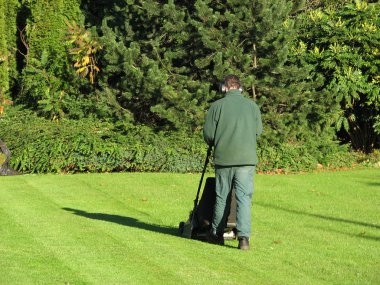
(71,146)
(41,146)
(342,46)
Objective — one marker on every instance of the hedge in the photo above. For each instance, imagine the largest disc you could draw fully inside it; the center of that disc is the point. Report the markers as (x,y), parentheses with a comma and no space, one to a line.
(71,146)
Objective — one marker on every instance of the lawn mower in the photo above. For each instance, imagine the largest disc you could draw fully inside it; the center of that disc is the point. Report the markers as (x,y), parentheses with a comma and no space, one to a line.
(200,218)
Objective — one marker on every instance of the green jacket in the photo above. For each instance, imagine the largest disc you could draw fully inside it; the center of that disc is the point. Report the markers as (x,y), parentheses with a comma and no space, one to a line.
(232,126)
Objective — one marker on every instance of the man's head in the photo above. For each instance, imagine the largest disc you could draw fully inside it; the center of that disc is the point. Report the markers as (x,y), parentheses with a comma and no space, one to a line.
(232,82)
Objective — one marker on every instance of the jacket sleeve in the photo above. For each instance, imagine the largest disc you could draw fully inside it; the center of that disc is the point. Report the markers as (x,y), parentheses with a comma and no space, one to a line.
(210,126)
(259,123)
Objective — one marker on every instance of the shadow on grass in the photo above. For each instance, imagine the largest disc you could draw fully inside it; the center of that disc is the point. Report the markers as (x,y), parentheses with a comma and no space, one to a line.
(374,184)
(130,222)
(359,223)
(363,234)
(125,221)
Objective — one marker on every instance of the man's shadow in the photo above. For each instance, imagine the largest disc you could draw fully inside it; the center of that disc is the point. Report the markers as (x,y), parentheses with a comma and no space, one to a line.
(125,221)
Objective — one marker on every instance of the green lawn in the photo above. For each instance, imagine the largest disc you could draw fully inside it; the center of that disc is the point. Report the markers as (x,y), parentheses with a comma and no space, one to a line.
(122,229)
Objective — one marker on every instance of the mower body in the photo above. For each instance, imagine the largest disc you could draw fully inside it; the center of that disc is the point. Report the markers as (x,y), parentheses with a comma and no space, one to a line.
(200,219)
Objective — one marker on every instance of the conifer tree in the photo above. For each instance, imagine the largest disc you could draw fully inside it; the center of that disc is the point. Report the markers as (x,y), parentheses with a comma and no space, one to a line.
(162,62)
(254,40)
(145,72)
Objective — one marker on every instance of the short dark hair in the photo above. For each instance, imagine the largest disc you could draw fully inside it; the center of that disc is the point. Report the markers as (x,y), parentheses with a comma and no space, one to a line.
(232,81)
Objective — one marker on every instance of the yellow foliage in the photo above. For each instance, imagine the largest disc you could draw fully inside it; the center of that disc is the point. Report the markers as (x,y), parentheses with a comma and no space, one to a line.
(3,158)
(84,50)
(3,103)
(86,60)
(361,5)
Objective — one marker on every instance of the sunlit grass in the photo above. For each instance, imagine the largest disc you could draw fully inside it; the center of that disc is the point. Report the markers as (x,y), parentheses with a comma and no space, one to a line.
(122,229)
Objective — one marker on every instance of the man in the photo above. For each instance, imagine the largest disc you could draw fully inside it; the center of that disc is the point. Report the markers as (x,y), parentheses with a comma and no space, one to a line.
(232,126)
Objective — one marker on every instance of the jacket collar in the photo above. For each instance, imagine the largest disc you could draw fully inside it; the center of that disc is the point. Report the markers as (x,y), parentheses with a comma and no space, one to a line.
(233,92)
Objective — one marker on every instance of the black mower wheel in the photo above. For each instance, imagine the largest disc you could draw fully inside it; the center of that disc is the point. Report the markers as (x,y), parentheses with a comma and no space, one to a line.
(180,228)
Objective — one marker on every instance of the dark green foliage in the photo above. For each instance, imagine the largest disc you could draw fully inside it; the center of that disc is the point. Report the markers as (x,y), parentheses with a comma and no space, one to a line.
(146,76)
(162,62)
(254,40)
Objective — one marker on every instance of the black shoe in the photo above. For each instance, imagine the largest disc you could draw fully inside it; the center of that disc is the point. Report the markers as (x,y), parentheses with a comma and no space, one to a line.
(215,239)
(243,243)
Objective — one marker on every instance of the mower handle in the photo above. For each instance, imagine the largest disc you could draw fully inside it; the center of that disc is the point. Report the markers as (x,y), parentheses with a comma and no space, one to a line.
(203,173)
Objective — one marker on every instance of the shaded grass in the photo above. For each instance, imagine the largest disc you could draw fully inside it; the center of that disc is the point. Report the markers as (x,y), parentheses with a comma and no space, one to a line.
(122,229)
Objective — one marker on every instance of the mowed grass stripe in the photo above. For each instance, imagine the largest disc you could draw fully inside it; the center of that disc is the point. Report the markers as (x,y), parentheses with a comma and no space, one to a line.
(328,222)
(24,258)
(77,243)
(327,197)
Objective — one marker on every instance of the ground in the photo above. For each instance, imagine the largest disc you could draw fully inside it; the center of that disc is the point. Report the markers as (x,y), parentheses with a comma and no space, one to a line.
(318,228)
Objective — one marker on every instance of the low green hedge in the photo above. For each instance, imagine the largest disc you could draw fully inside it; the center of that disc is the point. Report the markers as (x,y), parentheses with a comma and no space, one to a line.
(69,146)
(42,146)
(308,156)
